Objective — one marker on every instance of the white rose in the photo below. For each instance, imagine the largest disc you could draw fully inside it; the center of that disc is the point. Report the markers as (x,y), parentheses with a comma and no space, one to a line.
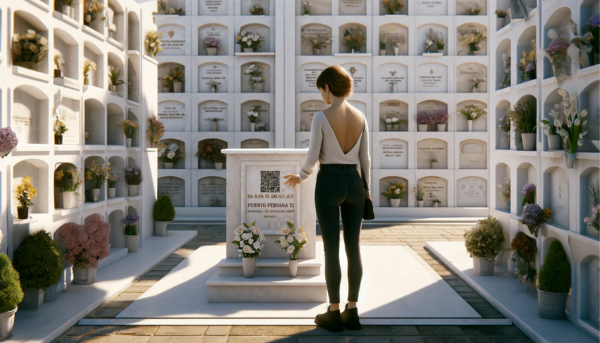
(237,238)
(246,235)
(239,230)
(285,231)
(256,246)
(250,241)
(301,230)
(170,155)
(245,39)
(299,236)
(241,244)
(261,236)
(290,239)
(247,249)
(284,244)
(254,230)
(290,249)
(397,191)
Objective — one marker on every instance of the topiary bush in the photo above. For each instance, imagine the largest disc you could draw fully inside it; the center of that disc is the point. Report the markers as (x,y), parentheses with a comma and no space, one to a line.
(39,261)
(555,274)
(484,239)
(163,209)
(10,289)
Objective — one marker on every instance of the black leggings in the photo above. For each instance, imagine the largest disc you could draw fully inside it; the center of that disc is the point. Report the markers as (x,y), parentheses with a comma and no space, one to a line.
(339,186)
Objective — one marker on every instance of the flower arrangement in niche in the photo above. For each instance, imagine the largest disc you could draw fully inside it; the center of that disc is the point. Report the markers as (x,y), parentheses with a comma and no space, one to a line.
(525,248)
(68,180)
(580,46)
(528,63)
(129,127)
(354,38)
(29,47)
(395,191)
(524,116)
(24,192)
(572,124)
(86,244)
(504,124)
(88,66)
(255,73)
(87,136)
(155,131)
(171,153)
(153,42)
(306,8)
(254,113)
(292,240)
(423,118)
(211,151)
(556,52)
(485,238)
(249,240)
(473,11)
(257,10)
(529,191)
(112,181)
(8,141)
(318,41)
(433,44)
(130,221)
(211,42)
(97,174)
(261,126)
(248,40)
(59,63)
(115,78)
(393,6)
(174,79)
(166,9)
(476,82)
(473,112)
(59,127)
(133,175)
(91,10)
(441,117)
(505,191)
(473,39)
(533,217)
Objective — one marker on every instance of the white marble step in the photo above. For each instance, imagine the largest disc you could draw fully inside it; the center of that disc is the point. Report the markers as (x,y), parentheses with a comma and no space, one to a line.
(270,267)
(266,289)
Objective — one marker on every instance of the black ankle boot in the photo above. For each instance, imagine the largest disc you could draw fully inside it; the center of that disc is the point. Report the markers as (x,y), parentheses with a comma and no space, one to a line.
(332,321)
(350,319)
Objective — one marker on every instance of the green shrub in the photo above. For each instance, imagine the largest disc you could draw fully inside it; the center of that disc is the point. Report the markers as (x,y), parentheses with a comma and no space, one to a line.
(163,209)
(555,274)
(484,239)
(39,261)
(10,289)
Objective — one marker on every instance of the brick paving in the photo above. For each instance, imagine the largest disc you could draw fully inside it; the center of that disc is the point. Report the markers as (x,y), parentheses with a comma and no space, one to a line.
(414,236)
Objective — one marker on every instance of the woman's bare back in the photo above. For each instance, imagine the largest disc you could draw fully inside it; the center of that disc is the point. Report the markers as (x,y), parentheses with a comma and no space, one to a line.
(347,123)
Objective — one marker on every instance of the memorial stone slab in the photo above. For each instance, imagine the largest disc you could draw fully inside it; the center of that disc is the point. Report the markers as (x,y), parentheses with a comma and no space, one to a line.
(71,119)
(312,32)
(213,7)
(174,187)
(467,71)
(213,73)
(210,110)
(353,7)
(394,34)
(172,114)
(173,41)
(25,119)
(218,32)
(307,113)
(211,192)
(359,76)
(393,154)
(432,7)
(307,78)
(390,74)
(432,78)
(559,197)
(473,155)
(254,144)
(434,188)
(428,149)
(472,192)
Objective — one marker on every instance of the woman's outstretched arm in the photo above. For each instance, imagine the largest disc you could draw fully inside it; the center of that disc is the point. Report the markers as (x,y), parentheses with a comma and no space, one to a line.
(312,157)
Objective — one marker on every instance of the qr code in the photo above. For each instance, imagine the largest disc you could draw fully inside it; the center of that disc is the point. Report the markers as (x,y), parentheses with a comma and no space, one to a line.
(269,181)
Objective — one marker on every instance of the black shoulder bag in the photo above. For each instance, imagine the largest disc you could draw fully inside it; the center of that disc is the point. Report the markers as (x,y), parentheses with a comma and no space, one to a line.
(368,213)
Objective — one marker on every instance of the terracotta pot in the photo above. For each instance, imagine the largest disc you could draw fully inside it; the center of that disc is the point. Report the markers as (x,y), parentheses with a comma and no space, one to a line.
(293,267)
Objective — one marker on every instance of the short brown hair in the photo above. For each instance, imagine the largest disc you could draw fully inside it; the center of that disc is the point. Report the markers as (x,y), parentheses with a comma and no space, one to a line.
(338,80)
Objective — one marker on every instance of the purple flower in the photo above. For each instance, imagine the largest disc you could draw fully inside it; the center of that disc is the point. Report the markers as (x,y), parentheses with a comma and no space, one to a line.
(8,139)
(211,42)
(131,219)
(528,188)
(530,67)
(594,21)
(423,118)
(440,118)
(533,216)
(557,46)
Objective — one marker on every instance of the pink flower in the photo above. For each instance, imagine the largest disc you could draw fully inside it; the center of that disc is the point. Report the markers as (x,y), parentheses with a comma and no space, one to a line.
(8,139)
(86,244)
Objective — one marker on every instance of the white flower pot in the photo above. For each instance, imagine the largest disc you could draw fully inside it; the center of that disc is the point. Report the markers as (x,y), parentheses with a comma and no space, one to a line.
(470,125)
(66,10)
(7,322)
(381,52)
(436,204)
(177,87)
(258,87)
(248,50)
(33,298)
(50,293)
(302,128)
(475,89)
(133,190)
(72,12)
(395,127)
(499,23)
(504,140)
(252,127)
(396,51)
(166,90)
(96,194)
(528,141)
(434,165)
(131,242)
(395,202)
(168,165)
(114,88)
(316,52)
(160,228)
(420,203)
(422,127)
(441,127)
(213,127)
(213,89)
(211,51)
(388,127)
(84,276)
(248,264)
(553,142)
(551,305)
(393,88)
(112,192)
(218,165)
(128,142)
(293,268)
(69,200)
(484,266)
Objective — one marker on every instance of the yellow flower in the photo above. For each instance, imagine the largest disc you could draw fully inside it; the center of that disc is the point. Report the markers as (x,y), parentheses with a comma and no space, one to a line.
(60,175)
(530,56)
(548,212)
(89,174)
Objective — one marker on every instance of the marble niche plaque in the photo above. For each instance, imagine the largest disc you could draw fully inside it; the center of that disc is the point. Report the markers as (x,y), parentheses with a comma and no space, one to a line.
(432,78)
(434,188)
(218,32)
(71,119)
(394,154)
(353,7)
(212,192)
(394,34)
(173,41)
(307,113)
(390,74)
(212,7)
(248,4)
(472,192)
(473,155)
(172,114)
(174,187)
(359,75)
(432,148)
(25,119)
(254,144)
(394,108)
(465,72)
(213,72)
(264,114)
(246,86)
(315,32)
(307,78)
(210,110)
(432,7)
(265,197)
(559,197)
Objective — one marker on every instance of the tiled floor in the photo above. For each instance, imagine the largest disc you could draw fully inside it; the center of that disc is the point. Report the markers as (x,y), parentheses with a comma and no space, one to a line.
(413,236)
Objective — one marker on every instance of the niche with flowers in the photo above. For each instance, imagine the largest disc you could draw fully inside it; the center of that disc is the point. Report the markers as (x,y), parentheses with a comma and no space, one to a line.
(208,150)
(386,183)
(393,115)
(471,39)
(315,40)
(259,111)
(255,77)
(30,29)
(213,39)
(353,38)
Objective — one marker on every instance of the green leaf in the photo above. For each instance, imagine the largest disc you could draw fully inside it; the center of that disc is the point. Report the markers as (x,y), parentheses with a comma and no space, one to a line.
(277,241)
(254,223)
(290,225)
(246,225)
(236,242)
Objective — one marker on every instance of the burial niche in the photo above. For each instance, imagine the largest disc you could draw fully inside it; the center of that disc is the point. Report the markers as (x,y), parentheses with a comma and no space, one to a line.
(590,291)
(526,174)
(395,39)
(588,179)
(432,7)
(503,64)
(470,7)
(473,154)
(171,78)
(173,41)
(502,182)
(208,150)
(315,40)
(263,31)
(213,7)
(174,188)
(352,7)
(471,78)
(527,44)
(556,196)
(393,154)
(264,116)
(467,106)
(66,46)
(432,110)
(209,35)
(212,116)
(502,125)
(94,122)
(470,39)
(30,115)
(94,55)
(172,114)
(114,133)
(430,150)
(116,238)
(393,78)
(434,188)
(213,78)
(38,171)
(306,80)
(313,7)
(353,38)
(388,110)
(358,72)
(385,183)
(471,192)
(255,77)
(255,7)
(307,112)
(212,192)
(432,78)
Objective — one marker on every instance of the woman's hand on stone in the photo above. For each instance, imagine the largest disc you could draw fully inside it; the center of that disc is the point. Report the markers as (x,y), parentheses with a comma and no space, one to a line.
(292,180)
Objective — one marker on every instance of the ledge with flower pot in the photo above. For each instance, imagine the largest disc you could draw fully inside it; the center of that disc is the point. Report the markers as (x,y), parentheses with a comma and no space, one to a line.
(60,16)
(67,82)
(26,72)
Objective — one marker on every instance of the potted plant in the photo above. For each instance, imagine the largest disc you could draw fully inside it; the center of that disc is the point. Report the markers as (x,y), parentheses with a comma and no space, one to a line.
(354,38)
(317,41)
(153,42)
(504,127)
(171,154)
(86,245)
(176,79)
(382,46)
(434,163)
(24,193)
(524,118)
(571,126)
(292,240)
(39,262)
(529,190)
(525,250)
(115,79)
(473,11)
(112,185)
(482,243)
(164,213)
(476,82)
(87,67)
(393,6)
(132,238)
(218,160)
(473,40)
(256,79)
(253,116)
(500,16)
(556,52)
(213,85)
(473,112)
(554,283)
(155,131)
(67,8)
(10,296)
(593,27)
(528,64)
(534,217)
(257,10)
(505,193)
(68,182)
(133,178)
(550,132)
(29,49)
(423,120)
(388,123)
(8,141)
(249,241)
(59,129)
(594,219)
(395,193)
(97,174)
(129,128)
(436,202)
(441,119)
(248,41)
(91,10)
(419,194)
(212,45)
(59,62)
(306,7)
(433,46)
(213,124)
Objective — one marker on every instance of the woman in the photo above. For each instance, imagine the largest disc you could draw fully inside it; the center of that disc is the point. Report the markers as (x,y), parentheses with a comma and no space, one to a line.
(339,140)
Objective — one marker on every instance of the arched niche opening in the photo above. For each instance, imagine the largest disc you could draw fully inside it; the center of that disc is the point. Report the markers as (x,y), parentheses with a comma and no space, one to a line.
(211,32)
(172,114)
(115,21)
(174,188)
(431,108)
(394,8)
(133,31)
(254,7)
(434,188)
(556,196)
(524,100)
(167,72)
(393,78)
(393,109)
(135,140)
(352,8)
(263,31)
(24,21)
(38,171)
(502,181)
(552,99)
(467,29)
(590,101)
(558,22)
(502,128)
(212,192)
(472,154)
(213,8)
(423,31)
(358,72)
(307,112)
(589,291)
(312,8)
(66,46)
(471,192)
(117,235)
(430,149)
(385,183)
(74,11)
(213,78)
(432,77)
(94,122)
(526,44)
(259,69)
(306,77)
(466,72)
(212,116)
(254,144)
(180,164)
(470,7)
(29,117)
(526,174)
(589,178)
(133,82)
(116,64)
(172,7)
(462,124)
(114,134)
(94,54)
(58,196)
(131,162)
(264,114)
(393,154)
(395,38)
(173,41)
(131,210)
(353,28)
(208,148)
(117,167)
(88,183)
(503,64)
(315,40)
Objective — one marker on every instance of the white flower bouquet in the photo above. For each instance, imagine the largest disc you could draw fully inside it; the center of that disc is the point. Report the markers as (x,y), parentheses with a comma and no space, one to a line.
(255,73)
(249,240)
(292,240)
(253,113)
(247,39)
(29,47)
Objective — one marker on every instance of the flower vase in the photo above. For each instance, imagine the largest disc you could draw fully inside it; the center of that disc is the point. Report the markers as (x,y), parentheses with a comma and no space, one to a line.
(133,190)
(553,142)
(132,242)
(393,87)
(177,87)
(218,165)
(66,10)
(112,192)
(470,125)
(441,127)
(388,127)
(211,51)
(57,73)
(213,89)
(293,268)
(168,165)
(396,49)
(69,200)
(166,90)
(213,127)
(83,276)
(86,81)
(528,141)
(422,127)
(22,212)
(58,139)
(128,142)
(435,204)
(484,266)
(252,127)
(569,159)
(114,89)
(382,52)
(258,87)
(248,50)
(420,203)
(248,264)
(395,202)
(499,23)
(352,51)
(96,194)
(475,89)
